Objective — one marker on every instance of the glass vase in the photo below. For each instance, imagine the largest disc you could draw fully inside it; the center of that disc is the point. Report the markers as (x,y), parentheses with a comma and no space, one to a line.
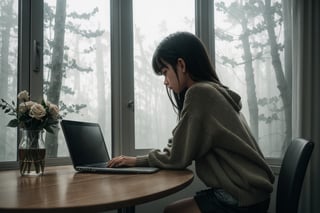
(32,152)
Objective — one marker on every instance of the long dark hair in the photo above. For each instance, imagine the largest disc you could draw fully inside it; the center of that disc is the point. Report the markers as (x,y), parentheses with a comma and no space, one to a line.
(187,46)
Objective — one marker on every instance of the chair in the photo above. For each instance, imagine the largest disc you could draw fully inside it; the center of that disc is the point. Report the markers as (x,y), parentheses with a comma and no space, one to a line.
(292,174)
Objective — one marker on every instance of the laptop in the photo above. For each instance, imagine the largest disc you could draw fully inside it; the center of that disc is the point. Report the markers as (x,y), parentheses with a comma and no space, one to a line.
(88,150)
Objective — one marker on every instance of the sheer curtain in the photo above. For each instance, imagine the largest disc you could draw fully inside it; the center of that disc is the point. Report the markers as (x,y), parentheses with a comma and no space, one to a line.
(306,92)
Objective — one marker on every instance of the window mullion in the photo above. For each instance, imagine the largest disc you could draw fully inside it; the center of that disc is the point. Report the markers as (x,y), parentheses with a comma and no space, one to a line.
(35,51)
(122,77)
(205,24)
(24,45)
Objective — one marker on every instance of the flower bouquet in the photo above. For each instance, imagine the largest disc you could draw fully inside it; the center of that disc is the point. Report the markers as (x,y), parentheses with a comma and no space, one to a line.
(33,118)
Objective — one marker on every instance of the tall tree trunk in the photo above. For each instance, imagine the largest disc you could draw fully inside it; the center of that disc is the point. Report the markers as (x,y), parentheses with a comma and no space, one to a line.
(284,88)
(55,83)
(250,81)
(6,17)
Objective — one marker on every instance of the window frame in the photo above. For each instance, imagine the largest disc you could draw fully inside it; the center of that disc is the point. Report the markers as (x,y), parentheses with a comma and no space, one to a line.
(122,67)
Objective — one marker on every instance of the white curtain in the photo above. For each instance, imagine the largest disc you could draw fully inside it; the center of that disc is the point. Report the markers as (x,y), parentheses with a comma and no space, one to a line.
(306,92)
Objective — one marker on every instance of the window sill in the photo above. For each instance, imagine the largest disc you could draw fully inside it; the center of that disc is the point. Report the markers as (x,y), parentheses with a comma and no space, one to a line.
(13,165)
(275,164)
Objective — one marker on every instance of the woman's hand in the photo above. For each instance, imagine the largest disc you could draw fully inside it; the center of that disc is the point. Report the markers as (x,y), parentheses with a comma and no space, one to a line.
(122,161)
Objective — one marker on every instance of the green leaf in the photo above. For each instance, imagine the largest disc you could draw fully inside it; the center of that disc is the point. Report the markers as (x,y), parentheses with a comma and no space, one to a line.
(49,129)
(43,103)
(13,123)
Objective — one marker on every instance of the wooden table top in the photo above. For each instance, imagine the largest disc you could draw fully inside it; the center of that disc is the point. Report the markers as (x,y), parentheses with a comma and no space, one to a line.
(63,189)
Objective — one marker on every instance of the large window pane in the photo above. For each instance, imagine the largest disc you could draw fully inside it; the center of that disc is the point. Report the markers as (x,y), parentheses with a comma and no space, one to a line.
(77,64)
(152,21)
(8,74)
(250,59)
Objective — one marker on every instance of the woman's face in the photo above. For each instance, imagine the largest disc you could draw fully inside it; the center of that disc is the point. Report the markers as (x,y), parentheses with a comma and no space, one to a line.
(176,81)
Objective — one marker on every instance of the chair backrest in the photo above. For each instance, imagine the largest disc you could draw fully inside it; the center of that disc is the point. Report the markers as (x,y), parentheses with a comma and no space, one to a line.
(292,174)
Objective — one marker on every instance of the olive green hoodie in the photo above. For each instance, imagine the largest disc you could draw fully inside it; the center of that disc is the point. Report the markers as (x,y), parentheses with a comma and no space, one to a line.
(212,132)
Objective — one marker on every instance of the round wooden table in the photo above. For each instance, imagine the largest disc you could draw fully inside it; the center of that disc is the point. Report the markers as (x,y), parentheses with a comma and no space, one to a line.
(61,189)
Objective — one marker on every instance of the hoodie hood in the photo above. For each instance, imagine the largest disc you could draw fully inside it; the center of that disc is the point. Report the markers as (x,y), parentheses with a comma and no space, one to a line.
(232,97)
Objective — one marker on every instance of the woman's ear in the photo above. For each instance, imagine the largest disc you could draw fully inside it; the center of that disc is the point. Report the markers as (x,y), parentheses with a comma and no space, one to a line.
(181,63)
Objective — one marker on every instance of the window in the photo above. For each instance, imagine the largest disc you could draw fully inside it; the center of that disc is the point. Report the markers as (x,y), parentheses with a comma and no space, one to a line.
(94,79)
(8,74)
(152,21)
(77,64)
(250,58)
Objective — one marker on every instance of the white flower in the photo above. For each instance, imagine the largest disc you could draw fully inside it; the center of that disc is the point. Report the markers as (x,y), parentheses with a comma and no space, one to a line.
(30,114)
(54,111)
(37,111)
(23,96)
(26,106)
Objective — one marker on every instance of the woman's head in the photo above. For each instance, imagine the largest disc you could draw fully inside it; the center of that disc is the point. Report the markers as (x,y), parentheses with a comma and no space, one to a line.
(188,47)
(183,49)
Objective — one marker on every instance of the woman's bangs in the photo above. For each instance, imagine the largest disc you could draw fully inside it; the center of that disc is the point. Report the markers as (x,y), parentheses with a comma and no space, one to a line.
(158,65)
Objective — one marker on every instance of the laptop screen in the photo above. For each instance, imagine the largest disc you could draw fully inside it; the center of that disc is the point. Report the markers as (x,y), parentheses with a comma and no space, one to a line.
(85,142)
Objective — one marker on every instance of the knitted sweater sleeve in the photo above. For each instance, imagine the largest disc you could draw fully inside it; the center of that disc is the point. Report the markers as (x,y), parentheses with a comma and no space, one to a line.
(184,147)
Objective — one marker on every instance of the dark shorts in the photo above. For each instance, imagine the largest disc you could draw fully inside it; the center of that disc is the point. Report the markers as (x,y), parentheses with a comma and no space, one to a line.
(219,201)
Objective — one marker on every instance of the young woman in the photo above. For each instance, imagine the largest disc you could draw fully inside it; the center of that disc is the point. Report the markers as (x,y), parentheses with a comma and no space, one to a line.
(211,131)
